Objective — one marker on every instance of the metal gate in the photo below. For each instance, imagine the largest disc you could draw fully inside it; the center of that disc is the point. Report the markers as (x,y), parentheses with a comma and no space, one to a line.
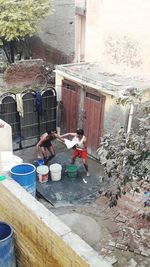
(47,120)
(32,123)
(9,113)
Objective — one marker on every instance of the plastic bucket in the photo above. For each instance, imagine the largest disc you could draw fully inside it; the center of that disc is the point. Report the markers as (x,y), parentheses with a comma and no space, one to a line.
(7,252)
(25,175)
(55,170)
(2,177)
(43,171)
(72,171)
(40,162)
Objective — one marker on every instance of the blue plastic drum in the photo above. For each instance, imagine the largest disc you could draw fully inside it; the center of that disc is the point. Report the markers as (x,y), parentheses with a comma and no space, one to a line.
(25,175)
(7,252)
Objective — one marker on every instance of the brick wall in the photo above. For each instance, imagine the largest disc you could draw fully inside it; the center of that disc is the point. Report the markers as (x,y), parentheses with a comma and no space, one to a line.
(42,240)
(48,53)
(22,73)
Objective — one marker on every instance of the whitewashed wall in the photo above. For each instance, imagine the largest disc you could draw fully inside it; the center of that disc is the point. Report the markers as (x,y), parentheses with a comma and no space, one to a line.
(118,35)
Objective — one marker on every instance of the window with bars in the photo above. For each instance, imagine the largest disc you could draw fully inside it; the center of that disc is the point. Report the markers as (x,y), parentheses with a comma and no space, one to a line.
(92,96)
(69,86)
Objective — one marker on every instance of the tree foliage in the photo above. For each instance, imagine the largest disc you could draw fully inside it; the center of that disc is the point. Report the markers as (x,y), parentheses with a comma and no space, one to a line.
(125,157)
(19,18)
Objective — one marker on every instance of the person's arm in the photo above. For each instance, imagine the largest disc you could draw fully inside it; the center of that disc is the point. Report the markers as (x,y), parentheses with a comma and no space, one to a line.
(38,149)
(68,134)
(57,136)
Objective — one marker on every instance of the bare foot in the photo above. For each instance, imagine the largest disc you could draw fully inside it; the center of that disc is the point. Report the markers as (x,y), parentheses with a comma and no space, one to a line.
(87,174)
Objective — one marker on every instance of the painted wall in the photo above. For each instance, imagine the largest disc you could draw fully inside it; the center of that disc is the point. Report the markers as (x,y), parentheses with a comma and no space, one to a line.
(118,35)
(55,39)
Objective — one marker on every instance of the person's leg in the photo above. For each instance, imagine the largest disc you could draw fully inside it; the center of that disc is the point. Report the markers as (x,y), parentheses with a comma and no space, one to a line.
(43,150)
(73,160)
(75,155)
(52,153)
(86,167)
(84,160)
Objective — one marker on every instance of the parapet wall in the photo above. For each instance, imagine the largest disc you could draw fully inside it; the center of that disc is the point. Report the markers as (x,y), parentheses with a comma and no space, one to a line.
(42,240)
(22,73)
(5,137)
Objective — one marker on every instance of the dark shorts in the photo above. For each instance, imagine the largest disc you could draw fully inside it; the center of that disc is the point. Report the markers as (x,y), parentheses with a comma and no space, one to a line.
(46,143)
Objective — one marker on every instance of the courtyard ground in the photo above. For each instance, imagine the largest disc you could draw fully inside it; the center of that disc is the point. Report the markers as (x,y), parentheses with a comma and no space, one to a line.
(120,234)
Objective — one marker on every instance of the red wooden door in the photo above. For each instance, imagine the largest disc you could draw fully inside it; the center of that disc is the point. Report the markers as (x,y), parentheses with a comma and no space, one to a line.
(70,103)
(93,119)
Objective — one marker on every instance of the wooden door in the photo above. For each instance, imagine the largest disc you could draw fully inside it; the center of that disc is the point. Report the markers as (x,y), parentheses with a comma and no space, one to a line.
(93,119)
(69,110)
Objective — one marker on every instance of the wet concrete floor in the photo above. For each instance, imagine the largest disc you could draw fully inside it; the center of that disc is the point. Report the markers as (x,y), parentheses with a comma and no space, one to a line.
(67,191)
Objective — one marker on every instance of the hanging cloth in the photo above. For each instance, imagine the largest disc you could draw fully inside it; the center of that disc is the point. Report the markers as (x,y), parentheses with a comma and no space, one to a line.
(38,102)
(19,104)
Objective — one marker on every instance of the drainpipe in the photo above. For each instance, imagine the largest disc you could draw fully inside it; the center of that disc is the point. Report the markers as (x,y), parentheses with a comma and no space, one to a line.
(130,118)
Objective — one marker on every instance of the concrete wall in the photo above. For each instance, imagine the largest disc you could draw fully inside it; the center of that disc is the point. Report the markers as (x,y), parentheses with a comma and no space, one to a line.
(80,29)
(5,143)
(42,240)
(139,109)
(115,115)
(5,137)
(55,40)
(118,35)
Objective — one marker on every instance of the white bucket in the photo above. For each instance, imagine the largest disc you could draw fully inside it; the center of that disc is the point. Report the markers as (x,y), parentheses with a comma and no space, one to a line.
(55,170)
(42,171)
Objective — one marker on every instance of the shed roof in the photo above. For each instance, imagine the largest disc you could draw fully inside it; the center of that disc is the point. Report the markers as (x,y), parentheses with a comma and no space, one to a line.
(92,74)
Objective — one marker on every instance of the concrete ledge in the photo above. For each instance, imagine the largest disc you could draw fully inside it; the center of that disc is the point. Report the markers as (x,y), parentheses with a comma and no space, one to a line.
(41,238)
(80,11)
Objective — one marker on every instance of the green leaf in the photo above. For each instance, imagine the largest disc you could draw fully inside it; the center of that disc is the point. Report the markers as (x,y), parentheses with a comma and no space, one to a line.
(19,18)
